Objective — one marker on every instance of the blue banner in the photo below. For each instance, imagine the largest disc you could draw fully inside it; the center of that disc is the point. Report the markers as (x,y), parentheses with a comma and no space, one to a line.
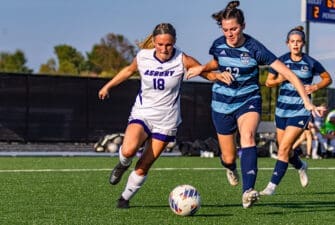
(322,11)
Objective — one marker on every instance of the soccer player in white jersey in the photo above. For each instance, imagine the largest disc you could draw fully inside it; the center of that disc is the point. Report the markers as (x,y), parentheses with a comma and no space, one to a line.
(236,99)
(155,115)
(291,117)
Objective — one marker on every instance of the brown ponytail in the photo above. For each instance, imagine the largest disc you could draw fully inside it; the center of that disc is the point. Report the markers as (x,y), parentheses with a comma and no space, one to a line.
(230,12)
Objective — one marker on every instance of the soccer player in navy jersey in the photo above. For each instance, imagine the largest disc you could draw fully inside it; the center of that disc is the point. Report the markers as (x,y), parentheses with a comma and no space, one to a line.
(236,97)
(291,117)
(155,114)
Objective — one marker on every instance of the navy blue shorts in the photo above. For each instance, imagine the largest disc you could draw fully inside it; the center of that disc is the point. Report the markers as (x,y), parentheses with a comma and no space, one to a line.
(298,121)
(227,123)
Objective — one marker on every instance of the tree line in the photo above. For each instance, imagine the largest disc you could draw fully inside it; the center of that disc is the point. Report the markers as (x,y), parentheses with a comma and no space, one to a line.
(106,58)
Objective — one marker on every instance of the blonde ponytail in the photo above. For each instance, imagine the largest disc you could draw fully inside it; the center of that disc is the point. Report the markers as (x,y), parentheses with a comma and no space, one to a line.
(147,43)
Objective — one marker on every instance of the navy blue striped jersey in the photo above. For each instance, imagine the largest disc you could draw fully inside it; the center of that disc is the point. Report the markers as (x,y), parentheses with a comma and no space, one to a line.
(242,62)
(289,102)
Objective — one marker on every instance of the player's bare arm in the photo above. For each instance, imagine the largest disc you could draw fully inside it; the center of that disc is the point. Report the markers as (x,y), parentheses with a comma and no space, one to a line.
(199,69)
(325,81)
(274,80)
(123,75)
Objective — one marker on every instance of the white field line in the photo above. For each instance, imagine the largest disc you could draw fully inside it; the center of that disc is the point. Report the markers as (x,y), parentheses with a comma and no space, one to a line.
(109,169)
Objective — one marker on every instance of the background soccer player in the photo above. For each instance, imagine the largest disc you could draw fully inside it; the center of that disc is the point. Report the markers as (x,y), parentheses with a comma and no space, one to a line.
(291,117)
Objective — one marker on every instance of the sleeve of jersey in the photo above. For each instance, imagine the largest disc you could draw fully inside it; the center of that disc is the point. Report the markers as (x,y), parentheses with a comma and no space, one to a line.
(138,58)
(214,50)
(272,71)
(282,59)
(318,68)
(264,56)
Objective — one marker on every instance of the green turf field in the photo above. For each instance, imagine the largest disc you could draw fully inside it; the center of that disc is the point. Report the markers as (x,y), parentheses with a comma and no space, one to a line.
(75,190)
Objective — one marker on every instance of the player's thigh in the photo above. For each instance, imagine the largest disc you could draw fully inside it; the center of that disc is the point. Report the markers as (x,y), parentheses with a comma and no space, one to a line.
(134,138)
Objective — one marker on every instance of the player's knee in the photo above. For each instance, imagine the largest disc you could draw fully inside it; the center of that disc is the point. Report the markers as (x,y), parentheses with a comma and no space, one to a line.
(285,152)
(129,149)
(228,159)
(128,152)
(248,139)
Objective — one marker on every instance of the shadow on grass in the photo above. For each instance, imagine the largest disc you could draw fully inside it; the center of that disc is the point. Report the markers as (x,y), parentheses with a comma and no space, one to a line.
(293,207)
(212,215)
(310,206)
(198,214)
(222,205)
(309,193)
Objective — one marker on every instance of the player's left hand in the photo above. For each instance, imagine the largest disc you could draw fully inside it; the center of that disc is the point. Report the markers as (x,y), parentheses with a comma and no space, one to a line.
(311,88)
(194,71)
(318,111)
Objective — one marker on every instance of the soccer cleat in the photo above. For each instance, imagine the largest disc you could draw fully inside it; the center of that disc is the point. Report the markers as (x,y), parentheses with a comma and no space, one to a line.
(122,203)
(232,177)
(316,157)
(269,190)
(117,173)
(249,198)
(303,175)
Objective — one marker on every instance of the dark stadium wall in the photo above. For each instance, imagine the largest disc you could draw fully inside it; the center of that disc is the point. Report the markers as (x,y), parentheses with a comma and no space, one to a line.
(41,108)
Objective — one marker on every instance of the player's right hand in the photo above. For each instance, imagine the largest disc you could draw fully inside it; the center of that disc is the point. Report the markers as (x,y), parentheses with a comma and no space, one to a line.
(225,77)
(103,93)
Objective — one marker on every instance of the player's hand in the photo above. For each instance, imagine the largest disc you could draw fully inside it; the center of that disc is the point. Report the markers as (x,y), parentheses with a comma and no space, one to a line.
(322,110)
(103,93)
(225,77)
(311,88)
(316,110)
(194,71)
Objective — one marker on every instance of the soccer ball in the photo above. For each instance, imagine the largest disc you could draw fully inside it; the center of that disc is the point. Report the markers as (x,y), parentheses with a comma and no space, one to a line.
(184,200)
(112,147)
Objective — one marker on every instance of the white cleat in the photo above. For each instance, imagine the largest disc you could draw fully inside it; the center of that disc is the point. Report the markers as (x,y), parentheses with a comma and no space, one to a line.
(269,190)
(232,177)
(316,157)
(249,198)
(303,174)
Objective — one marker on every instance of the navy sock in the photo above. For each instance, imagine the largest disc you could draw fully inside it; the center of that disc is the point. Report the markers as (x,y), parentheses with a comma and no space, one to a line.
(228,166)
(279,172)
(295,160)
(249,167)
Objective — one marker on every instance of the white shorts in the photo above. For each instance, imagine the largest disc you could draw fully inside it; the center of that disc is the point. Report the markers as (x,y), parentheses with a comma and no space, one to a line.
(162,127)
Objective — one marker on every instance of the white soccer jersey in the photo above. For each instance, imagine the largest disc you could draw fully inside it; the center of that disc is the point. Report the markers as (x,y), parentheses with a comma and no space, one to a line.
(158,101)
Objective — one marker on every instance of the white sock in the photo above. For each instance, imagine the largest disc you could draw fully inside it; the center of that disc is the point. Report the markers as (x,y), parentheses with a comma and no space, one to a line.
(123,160)
(315,148)
(134,183)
